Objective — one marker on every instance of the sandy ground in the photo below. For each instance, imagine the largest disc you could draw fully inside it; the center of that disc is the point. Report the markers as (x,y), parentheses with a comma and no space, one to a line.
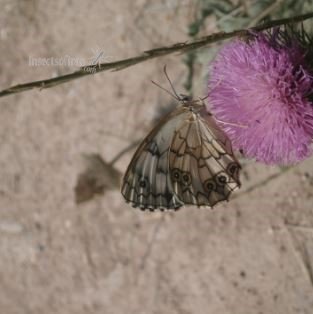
(251,255)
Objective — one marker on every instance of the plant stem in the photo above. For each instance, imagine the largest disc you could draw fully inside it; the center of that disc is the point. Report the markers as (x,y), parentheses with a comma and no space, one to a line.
(147,55)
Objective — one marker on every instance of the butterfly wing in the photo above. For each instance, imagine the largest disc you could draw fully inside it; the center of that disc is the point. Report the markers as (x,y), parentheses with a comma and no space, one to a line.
(185,160)
(202,165)
(147,183)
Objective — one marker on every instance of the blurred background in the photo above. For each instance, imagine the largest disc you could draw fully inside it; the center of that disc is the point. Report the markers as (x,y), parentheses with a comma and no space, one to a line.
(68,242)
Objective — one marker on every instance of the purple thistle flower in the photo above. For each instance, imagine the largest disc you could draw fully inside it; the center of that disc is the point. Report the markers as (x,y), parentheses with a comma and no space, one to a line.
(260,92)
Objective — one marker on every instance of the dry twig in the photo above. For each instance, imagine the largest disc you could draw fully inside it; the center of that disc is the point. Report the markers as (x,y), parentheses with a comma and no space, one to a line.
(147,55)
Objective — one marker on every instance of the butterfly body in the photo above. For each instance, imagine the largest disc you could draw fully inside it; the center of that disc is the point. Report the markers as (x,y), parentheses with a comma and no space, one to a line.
(185,160)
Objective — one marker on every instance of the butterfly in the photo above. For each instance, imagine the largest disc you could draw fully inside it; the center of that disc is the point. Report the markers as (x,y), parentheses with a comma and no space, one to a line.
(185,160)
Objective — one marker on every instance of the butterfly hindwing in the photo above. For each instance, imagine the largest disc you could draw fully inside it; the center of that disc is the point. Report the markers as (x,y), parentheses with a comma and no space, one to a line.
(203,168)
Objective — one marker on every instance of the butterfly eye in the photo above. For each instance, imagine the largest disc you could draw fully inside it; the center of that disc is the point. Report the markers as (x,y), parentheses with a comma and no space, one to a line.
(221,179)
(185,98)
(175,175)
(233,168)
(186,178)
(209,186)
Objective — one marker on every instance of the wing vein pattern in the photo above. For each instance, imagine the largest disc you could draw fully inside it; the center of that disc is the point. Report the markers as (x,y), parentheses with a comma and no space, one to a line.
(185,160)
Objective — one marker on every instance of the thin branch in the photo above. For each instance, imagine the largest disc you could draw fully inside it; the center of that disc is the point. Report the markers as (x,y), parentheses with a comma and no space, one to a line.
(270,9)
(147,55)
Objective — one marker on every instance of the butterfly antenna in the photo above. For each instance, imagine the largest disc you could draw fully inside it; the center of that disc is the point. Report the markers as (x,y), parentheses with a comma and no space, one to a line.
(158,85)
(169,80)
(208,95)
(202,99)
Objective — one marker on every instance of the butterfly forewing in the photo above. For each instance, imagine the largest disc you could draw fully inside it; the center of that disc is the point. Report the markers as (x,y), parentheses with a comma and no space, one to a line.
(185,160)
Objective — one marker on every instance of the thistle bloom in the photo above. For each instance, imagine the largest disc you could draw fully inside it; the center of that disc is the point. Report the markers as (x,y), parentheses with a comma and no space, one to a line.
(260,91)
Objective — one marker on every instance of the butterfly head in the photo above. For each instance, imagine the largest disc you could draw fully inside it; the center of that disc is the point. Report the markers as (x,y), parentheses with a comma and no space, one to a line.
(193,105)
